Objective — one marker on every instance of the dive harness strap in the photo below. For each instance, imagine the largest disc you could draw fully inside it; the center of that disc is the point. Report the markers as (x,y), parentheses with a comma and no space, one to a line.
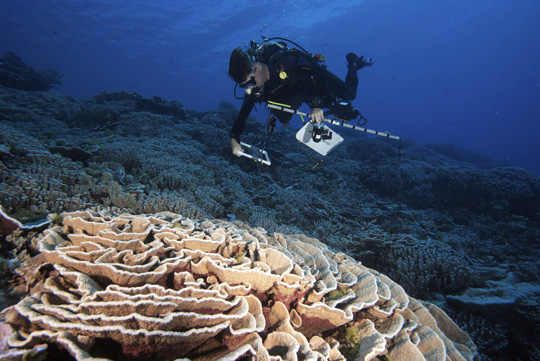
(285,108)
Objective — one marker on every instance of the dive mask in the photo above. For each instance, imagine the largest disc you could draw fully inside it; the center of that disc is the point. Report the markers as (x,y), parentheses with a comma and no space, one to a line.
(248,85)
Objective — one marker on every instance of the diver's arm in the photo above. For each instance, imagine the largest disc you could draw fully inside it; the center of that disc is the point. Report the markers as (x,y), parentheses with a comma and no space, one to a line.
(318,97)
(317,104)
(240,122)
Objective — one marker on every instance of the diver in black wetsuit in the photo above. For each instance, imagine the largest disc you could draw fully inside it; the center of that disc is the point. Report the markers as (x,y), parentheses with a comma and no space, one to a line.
(288,76)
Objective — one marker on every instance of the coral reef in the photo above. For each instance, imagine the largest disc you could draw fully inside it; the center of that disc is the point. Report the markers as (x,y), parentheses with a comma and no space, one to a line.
(41,183)
(125,287)
(431,265)
(466,156)
(461,187)
(14,73)
(440,222)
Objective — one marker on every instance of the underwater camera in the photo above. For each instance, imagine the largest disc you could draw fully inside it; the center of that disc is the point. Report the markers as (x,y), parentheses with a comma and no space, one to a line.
(320,132)
(344,111)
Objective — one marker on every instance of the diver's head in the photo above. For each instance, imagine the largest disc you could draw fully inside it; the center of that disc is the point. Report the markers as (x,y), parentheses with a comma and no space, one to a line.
(248,73)
(240,65)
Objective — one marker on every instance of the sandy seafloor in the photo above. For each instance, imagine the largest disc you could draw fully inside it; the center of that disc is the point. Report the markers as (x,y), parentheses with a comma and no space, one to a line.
(450,226)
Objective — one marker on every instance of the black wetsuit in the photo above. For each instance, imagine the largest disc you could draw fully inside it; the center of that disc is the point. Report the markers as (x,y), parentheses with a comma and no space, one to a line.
(306,81)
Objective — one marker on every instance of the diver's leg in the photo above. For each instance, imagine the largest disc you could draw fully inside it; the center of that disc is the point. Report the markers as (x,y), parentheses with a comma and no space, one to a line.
(343,90)
(351,79)
(355,63)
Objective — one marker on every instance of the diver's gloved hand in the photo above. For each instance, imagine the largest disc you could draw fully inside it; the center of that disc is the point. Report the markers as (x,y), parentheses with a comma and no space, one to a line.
(236,148)
(361,62)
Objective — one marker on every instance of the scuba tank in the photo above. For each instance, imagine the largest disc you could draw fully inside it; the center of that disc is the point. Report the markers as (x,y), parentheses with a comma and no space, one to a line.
(264,51)
(272,49)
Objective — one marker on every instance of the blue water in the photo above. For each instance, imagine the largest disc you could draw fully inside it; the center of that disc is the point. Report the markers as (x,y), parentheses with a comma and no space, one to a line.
(452,71)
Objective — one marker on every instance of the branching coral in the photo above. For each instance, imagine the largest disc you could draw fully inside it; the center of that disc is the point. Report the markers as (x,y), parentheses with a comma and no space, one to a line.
(425,266)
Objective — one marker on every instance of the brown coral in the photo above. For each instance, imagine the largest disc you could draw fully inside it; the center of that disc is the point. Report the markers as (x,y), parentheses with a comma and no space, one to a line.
(165,287)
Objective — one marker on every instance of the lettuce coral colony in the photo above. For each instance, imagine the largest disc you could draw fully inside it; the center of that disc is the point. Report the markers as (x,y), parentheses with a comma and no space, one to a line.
(111,286)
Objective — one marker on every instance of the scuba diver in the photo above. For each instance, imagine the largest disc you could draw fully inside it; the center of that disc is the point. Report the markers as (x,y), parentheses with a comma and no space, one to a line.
(272,72)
